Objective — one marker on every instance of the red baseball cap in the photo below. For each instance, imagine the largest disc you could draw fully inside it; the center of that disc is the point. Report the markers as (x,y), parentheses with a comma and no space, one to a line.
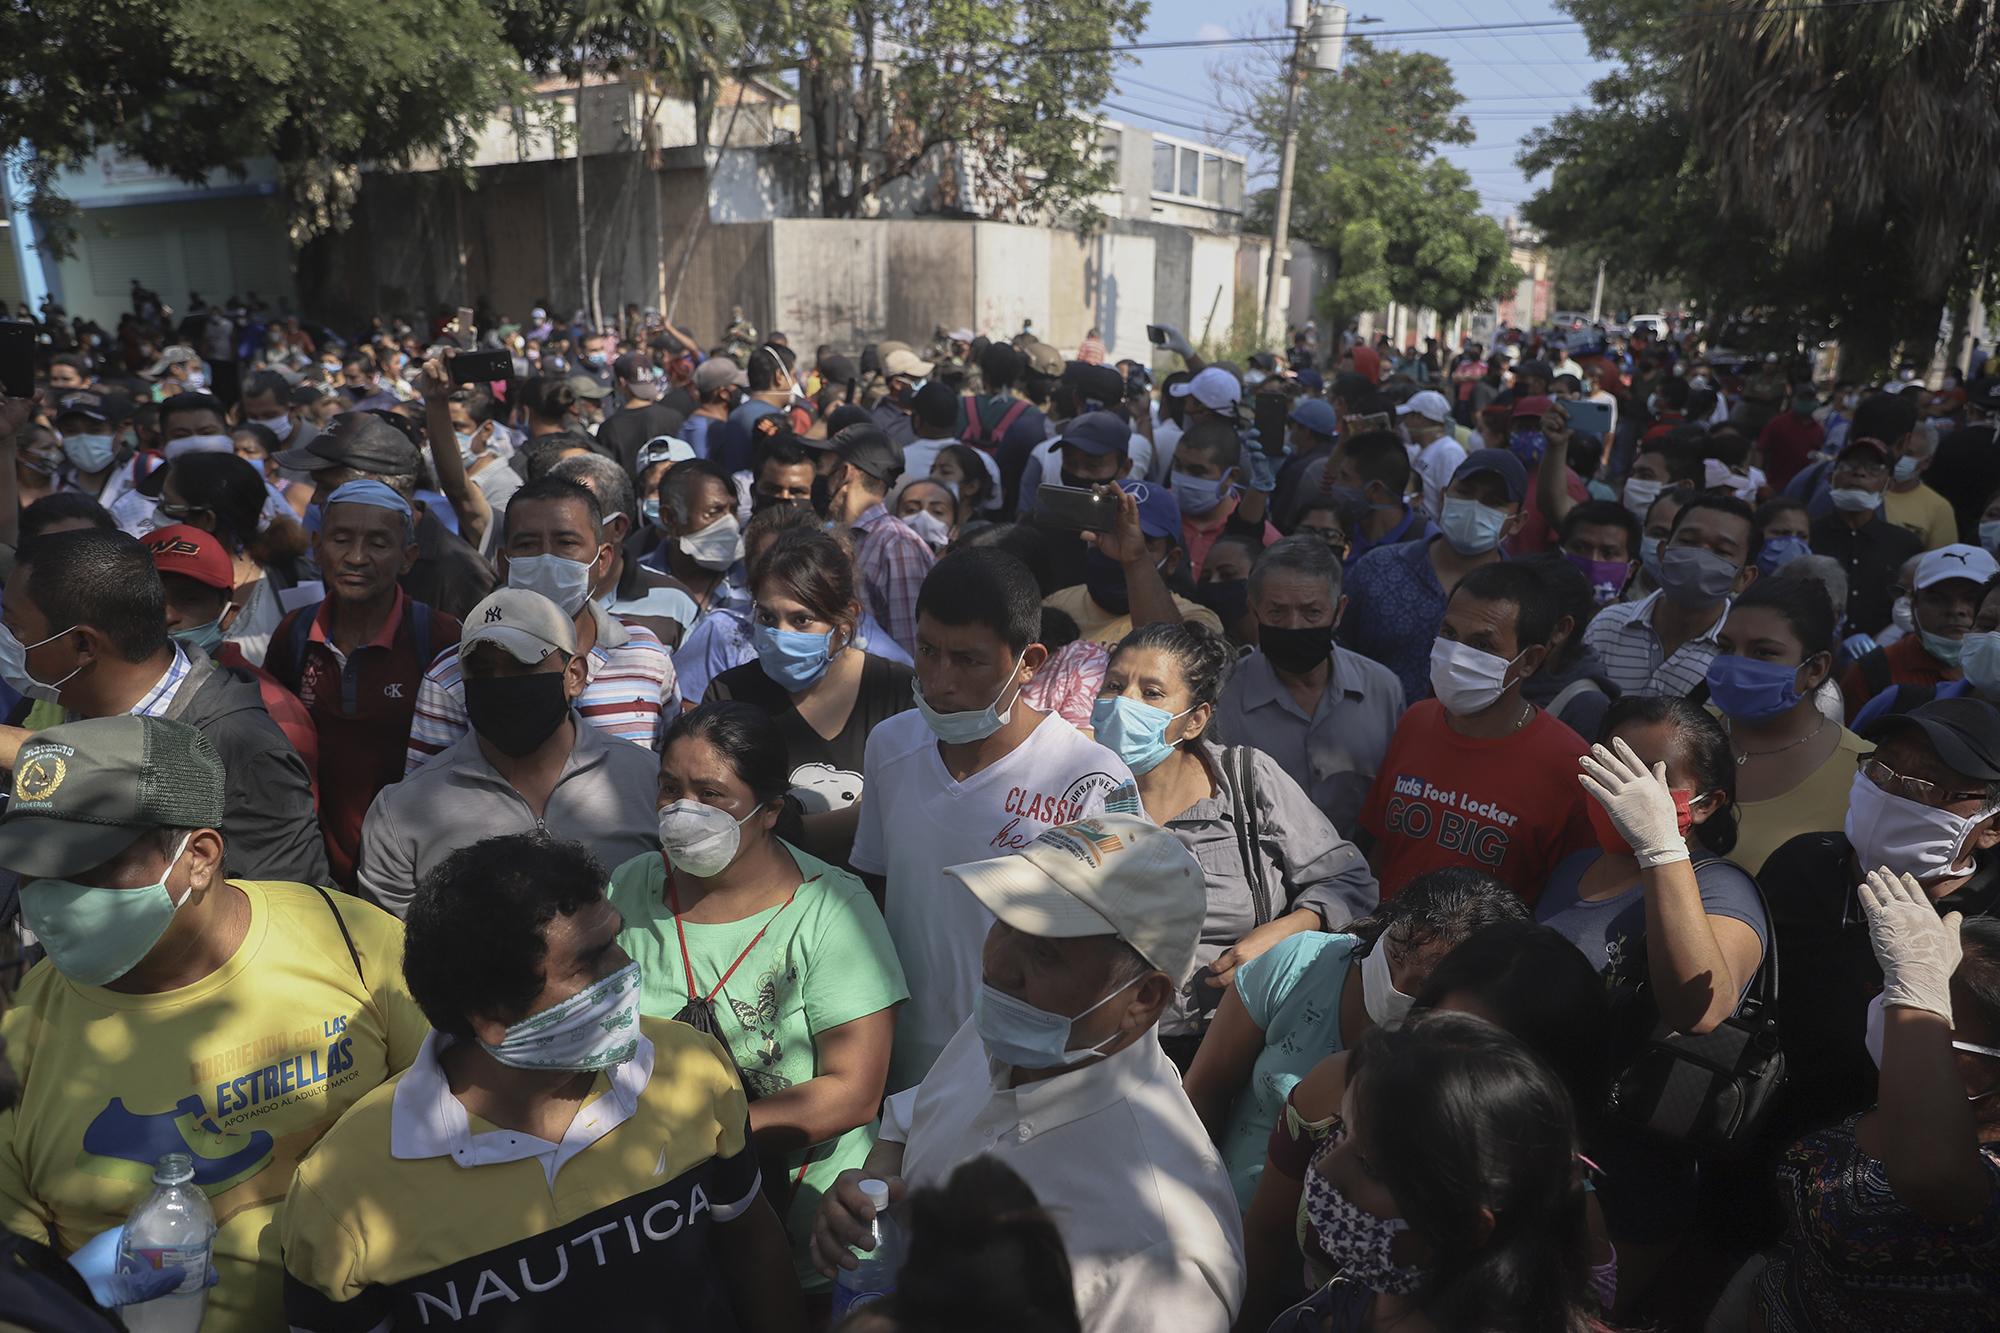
(183,549)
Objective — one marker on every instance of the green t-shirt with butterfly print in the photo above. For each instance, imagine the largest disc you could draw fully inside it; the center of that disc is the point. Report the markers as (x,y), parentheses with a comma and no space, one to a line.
(825,959)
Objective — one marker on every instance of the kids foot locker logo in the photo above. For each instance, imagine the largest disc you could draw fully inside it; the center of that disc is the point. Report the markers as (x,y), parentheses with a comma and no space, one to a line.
(127,1144)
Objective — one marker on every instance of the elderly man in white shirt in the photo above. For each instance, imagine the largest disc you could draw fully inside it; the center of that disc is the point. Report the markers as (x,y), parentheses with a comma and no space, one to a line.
(1060,1075)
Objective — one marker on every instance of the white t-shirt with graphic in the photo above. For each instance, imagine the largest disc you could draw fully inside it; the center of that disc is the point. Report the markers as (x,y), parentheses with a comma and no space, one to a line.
(917,820)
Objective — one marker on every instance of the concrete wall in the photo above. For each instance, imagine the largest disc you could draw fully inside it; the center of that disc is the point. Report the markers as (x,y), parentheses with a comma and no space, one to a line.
(1012,270)
(1211,288)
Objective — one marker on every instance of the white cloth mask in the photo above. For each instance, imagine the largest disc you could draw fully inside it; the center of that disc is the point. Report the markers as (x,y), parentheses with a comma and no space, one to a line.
(1385,1004)
(1465,679)
(1906,836)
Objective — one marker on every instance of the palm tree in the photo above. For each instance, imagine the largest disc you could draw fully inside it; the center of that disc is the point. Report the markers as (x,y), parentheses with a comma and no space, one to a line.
(1856,123)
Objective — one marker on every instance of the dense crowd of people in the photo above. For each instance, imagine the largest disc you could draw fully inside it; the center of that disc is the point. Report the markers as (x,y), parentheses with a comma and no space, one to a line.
(1438,839)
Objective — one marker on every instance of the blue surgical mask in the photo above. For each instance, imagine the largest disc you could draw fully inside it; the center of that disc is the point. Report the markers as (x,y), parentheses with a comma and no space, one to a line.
(792,658)
(1979,659)
(1750,690)
(1906,468)
(1197,496)
(1471,527)
(563,581)
(1989,534)
(1134,730)
(90,453)
(960,728)
(650,511)
(1649,556)
(203,639)
(1016,1033)
(1781,551)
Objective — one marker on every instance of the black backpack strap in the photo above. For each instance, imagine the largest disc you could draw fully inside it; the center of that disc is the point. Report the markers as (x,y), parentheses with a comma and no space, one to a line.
(1875,674)
(347,939)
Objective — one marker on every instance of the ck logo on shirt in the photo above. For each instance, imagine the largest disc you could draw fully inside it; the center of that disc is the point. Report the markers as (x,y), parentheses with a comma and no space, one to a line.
(393,690)
(1453,820)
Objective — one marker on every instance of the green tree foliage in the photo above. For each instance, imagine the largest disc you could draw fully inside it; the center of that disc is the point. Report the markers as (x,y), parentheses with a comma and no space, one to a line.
(1403,224)
(1818,165)
(886,87)
(196,86)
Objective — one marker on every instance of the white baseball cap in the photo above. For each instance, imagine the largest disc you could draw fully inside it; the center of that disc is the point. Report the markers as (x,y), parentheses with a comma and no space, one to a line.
(1112,874)
(1957,561)
(1430,405)
(1213,387)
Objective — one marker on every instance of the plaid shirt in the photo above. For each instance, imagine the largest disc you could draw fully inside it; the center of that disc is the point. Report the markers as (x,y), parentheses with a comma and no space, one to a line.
(155,701)
(890,562)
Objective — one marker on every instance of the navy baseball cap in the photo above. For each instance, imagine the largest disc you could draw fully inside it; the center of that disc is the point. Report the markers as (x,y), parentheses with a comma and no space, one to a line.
(1159,511)
(1500,462)
(1316,415)
(1098,434)
(1964,731)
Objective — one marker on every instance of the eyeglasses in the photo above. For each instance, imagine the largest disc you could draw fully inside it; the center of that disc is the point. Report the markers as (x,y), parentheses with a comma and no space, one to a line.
(181,513)
(1856,468)
(1912,789)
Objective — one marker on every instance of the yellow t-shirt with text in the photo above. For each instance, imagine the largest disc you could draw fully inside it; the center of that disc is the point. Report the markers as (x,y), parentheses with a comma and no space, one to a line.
(244,1070)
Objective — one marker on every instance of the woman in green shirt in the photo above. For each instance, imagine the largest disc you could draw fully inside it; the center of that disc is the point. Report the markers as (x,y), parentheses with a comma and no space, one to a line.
(782,957)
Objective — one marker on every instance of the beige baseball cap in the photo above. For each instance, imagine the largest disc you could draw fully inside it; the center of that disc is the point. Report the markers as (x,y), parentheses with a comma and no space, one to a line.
(526,624)
(1112,874)
(902,361)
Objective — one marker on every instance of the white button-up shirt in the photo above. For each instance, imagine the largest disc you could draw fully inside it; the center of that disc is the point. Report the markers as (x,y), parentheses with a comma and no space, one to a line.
(1118,1158)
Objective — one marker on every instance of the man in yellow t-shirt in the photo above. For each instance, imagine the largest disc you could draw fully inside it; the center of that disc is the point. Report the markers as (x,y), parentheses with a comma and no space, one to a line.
(177,1011)
(552,1160)
(1909,503)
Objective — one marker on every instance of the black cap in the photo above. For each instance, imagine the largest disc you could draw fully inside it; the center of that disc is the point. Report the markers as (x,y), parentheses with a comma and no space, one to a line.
(1540,369)
(632,367)
(868,449)
(1887,417)
(935,401)
(1095,384)
(837,368)
(97,404)
(358,440)
(1964,731)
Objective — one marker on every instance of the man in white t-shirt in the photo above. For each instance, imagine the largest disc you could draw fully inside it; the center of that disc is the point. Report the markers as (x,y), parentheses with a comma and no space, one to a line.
(1427,420)
(970,773)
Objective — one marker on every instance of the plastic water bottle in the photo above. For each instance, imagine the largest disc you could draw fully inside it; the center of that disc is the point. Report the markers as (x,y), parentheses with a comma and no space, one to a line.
(876,1275)
(174,1227)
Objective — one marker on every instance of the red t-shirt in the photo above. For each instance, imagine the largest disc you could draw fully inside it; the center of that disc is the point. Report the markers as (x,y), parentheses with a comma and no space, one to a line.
(1536,533)
(1785,443)
(1511,806)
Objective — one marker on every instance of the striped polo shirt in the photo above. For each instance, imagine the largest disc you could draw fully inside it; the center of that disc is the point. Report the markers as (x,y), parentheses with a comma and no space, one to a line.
(630,690)
(1623,638)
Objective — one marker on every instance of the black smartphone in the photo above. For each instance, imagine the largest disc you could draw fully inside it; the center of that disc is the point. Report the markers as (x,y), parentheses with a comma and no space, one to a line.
(481,367)
(1074,507)
(1271,411)
(17,359)
(1156,335)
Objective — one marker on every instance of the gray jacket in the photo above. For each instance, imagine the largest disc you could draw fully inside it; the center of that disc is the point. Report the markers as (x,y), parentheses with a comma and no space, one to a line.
(604,800)
(1306,863)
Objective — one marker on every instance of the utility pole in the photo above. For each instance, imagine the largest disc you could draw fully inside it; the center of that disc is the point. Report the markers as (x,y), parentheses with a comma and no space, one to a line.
(1321,33)
(1597,297)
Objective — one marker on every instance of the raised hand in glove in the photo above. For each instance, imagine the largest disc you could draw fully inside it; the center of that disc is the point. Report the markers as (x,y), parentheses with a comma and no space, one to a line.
(1917,948)
(1639,802)
(1175,342)
(1258,474)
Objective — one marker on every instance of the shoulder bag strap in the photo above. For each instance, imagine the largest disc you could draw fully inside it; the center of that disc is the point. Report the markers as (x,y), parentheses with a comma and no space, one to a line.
(353,954)
(1249,830)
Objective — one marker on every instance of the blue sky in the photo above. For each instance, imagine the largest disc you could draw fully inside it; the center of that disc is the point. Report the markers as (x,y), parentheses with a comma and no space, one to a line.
(1512,81)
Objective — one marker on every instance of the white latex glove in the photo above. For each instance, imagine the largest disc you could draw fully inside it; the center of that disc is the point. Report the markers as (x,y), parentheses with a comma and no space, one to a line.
(1175,343)
(1917,948)
(1640,804)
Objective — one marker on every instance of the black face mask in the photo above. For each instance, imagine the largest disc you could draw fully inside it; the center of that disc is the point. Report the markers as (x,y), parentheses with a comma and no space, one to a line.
(516,713)
(1295,650)
(822,496)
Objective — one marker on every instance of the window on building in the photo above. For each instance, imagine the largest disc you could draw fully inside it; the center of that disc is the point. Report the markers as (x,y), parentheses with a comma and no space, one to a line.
(1211,178)
(1232,186)
(1163,167)
(1190,173)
